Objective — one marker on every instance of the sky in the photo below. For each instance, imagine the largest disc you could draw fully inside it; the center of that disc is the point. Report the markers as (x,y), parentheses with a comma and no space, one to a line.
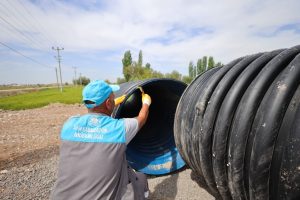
(95,34)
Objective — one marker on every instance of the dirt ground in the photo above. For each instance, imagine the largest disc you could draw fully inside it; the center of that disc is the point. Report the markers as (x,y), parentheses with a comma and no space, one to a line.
(32,136)
(29,135)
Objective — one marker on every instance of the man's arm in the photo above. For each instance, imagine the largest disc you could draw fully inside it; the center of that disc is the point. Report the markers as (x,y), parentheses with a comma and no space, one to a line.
(132,125)
(143,114)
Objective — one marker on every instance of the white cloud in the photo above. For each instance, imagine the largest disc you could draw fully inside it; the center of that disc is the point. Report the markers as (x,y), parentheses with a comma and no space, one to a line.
(168,31)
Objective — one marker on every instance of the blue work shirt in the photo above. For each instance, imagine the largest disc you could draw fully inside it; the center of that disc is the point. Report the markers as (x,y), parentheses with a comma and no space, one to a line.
(93,162)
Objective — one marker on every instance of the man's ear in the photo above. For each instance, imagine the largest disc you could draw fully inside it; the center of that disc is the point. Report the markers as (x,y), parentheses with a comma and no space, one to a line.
(108,103)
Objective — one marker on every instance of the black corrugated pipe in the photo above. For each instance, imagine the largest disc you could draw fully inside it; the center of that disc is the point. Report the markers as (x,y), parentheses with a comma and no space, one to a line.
(238,127)
(153,150)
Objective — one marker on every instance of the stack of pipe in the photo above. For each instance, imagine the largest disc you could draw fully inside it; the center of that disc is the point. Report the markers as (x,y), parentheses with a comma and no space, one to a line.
(238,127)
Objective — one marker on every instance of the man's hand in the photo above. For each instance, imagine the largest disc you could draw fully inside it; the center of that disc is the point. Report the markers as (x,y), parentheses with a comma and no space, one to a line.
(146,99)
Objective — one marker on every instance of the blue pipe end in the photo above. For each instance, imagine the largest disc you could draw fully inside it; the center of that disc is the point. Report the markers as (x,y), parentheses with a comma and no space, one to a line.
(164,164)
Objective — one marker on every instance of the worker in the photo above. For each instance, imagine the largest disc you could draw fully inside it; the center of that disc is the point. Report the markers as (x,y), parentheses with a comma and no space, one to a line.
(92,162)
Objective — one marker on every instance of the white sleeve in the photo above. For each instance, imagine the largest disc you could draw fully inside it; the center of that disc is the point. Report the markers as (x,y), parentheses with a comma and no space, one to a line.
(131,128)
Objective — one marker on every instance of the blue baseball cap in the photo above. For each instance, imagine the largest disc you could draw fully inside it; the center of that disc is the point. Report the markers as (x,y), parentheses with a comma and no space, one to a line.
(97,91)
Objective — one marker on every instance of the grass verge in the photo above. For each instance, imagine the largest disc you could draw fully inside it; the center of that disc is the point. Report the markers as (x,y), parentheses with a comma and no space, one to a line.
(41,98)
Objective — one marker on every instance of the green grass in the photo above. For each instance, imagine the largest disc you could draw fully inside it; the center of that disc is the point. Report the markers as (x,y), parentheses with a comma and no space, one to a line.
(41,98)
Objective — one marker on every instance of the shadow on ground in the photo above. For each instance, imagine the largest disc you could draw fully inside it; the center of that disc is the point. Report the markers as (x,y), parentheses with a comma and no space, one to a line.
(167,189)
(201,183)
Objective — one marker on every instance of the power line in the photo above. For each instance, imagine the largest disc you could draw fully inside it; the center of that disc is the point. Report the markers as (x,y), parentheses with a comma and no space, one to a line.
(21,38)
(25,36)
(25,56)
(38,24)
(21,22)
(15,13)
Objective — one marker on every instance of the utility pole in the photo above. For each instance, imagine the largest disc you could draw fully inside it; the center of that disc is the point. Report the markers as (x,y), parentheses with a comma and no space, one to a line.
(56,77)
(80,79)
(59,59)
(75,81)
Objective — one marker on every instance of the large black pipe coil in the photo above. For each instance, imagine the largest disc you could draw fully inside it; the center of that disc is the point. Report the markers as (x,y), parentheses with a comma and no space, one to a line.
(238,127)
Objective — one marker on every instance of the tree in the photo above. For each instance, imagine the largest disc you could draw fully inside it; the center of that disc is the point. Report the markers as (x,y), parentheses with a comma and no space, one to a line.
(147,73)
(157,74)
(200,68)
(148,65)
(134,71)
(191,69)
(202,65)
(140,60)
(82,80)
(204,62)
(127,62)
(219,64)
(174,75)
(187,79)
(121,80)
(85,80)
(211,62)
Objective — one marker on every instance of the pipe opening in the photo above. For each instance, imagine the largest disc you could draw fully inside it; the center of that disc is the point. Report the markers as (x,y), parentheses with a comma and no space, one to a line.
(153,149)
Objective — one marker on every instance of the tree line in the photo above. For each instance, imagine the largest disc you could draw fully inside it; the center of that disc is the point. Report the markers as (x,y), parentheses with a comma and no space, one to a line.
(206,63)
(135,70)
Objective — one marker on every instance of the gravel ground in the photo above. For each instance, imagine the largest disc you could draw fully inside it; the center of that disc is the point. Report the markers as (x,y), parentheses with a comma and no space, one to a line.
(29,156)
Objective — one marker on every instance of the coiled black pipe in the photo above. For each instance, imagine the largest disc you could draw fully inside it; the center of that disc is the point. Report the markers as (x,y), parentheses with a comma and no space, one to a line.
(153,150)
(235,125)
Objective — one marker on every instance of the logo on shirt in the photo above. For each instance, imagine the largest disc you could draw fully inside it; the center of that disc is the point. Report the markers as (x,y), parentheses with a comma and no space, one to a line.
(93,121)
(94,129)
